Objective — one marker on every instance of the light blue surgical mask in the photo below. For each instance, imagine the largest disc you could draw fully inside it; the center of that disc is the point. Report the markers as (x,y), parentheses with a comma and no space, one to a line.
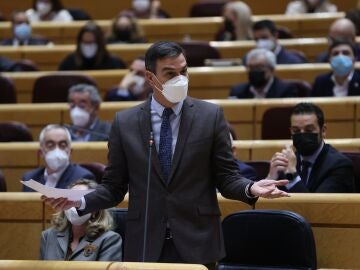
(341,65)
(22,31)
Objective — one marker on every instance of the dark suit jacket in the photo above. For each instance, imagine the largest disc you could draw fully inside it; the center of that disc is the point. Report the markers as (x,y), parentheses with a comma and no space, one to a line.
(202,162)
(323,86)
(31,41)
(100,132)
(286,57)
(110,62)
(246,170)
(278,89)
(331,172)
(73,172)
(54,246)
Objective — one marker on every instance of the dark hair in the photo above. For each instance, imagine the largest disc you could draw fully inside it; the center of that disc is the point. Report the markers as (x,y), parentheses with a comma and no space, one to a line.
(309,108)
(265,24)
(160,50)
(56,5)
(341,41)
(102,52)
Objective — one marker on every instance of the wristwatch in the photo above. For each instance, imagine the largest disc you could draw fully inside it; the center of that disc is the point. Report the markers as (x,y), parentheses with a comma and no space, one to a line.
(291,176)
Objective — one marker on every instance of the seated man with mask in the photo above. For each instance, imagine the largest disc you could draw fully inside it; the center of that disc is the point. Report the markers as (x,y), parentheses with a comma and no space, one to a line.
(133,87)
(55,149)
(84,101)
(262,83)
(21,30)
(315,166)
(343,80)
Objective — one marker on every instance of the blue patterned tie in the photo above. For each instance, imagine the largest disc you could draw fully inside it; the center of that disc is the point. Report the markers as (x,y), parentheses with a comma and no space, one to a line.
(165,145)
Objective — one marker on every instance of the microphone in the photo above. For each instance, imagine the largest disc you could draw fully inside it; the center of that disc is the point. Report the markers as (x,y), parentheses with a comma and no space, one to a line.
(91,132)
(151,143)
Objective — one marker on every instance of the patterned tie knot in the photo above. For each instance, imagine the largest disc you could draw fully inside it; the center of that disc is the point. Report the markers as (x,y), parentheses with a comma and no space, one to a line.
(166,113)
(305,164)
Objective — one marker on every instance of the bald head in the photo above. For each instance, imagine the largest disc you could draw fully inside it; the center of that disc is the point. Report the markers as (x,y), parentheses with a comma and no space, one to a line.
(343,29)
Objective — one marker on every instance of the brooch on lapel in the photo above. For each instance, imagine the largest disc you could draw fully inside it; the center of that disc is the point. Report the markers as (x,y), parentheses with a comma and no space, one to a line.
(89,249)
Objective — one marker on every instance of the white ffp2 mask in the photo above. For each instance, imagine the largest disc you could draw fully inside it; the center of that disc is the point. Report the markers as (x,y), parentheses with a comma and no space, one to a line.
(175,90)
(74,218)
(57,159)
(79,117)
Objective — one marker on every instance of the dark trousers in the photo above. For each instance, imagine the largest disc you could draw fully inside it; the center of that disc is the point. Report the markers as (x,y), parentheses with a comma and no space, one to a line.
(170,254)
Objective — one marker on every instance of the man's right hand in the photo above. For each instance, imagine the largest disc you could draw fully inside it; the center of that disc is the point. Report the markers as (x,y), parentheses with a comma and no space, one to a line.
(278,163)
(60,204)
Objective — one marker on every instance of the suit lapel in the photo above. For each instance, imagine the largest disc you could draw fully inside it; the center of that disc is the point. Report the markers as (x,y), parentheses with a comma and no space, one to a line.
(187,116)
(354,85)
(63,239)
(80,248)
(145,128)
(315,174)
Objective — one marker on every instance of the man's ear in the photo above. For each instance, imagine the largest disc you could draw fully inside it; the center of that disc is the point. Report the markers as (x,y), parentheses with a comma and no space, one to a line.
(149,77)
(323,131)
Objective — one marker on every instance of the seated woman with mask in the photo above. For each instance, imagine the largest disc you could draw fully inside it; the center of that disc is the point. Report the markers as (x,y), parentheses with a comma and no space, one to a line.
(81,238)
(91,52)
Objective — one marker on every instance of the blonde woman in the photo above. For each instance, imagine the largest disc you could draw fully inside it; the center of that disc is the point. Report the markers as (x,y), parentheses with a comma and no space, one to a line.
(81,238)
(237,22)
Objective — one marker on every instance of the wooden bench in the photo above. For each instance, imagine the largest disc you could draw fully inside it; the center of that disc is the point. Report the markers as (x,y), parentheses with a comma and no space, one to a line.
(308,25)
(18,158)
(175,8)
(205,82)
(312,47)
(335,219)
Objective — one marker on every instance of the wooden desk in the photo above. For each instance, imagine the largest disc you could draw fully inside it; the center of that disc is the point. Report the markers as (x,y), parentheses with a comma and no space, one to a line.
(18,158)
(205,82)
(335,220)
(308,25)
(98,10)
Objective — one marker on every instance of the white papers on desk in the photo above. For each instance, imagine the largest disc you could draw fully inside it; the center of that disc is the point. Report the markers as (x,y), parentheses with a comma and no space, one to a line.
(50,192)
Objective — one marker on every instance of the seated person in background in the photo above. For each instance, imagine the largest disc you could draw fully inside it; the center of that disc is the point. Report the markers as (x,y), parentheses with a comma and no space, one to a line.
(125,29)
(316,166)
(84,101)
(91,52)
(48,10)
(245,170)
(7,65)
(133,86)
(81,238)
(262,83)
(21,30)
(309,6)
(343,80)
(266,37)
(148,9)
(340,29)
(237,22)
(55,149)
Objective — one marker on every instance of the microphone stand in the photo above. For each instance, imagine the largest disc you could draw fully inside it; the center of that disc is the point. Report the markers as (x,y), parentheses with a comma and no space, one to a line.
(151,143)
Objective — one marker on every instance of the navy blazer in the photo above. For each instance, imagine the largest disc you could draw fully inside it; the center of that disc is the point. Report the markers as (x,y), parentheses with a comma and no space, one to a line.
(323,86)
(278,89)
(332,172)
(73,172)
(287,57)
(31,41)
(100,131)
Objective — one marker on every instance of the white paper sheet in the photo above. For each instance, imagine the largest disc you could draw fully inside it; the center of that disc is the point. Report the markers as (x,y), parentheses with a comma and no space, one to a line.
(50,192)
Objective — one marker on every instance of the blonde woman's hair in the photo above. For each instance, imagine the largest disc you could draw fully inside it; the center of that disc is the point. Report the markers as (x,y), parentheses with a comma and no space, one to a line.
(99,222)
(244,19)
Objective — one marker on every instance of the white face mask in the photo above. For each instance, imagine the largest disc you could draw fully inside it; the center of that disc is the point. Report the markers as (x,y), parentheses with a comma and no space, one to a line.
(138,88)
(79,117)
(73,217)
(88,50)
(57,159)
(175,90)
(268,44)
(141,5)
(43,8)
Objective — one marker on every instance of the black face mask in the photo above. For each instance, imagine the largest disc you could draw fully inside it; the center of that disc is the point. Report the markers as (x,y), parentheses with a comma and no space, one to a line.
(123,34)
(306,143)
(257,78)
(228,25)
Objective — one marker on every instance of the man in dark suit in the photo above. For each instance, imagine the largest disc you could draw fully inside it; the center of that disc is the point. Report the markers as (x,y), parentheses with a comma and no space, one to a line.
(341,29)
(262,83)
(21,30)
(316,166)
(191,159)
(266,36)
(55,148)
(84,101)
(344,80)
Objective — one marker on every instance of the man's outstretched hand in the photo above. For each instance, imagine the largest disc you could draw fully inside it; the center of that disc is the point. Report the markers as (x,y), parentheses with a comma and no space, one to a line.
(268,189)
(60,204)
